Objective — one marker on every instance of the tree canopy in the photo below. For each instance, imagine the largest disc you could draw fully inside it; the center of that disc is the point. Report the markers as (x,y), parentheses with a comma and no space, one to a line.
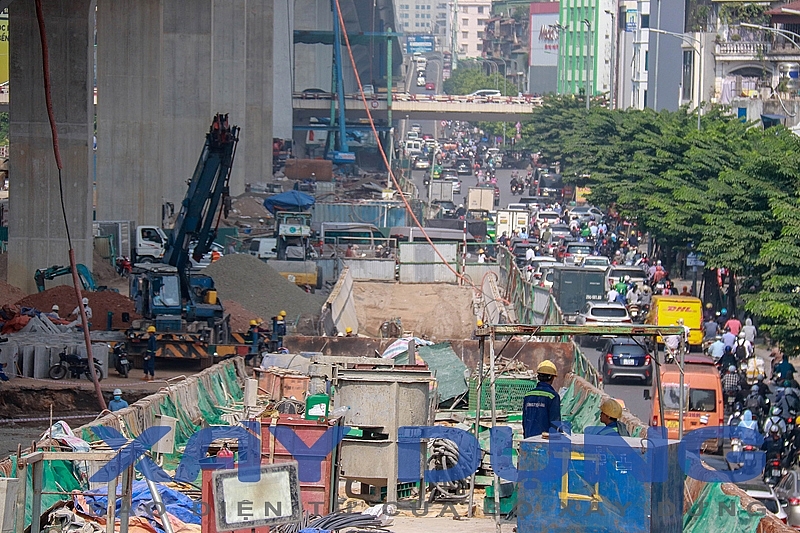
(730,191)
(469,77)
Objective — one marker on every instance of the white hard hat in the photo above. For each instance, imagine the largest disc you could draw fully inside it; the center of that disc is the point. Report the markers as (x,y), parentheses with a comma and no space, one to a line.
(54,308)
(731,368)
(86,301)
(117,392)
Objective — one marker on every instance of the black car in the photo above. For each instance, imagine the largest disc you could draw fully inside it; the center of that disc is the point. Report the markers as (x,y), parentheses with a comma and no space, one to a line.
(624,357)
(464,167)
(448,208)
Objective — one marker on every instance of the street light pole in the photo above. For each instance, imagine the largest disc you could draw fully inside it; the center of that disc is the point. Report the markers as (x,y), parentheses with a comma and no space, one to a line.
(562,61)
(691,41)
(612,99)
(588,57)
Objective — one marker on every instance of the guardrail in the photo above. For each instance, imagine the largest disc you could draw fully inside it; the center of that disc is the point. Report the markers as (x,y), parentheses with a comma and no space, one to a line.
(442,98)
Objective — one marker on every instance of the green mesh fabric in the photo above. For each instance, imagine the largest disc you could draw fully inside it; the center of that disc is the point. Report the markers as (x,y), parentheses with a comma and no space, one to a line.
(580,408)
(713,510)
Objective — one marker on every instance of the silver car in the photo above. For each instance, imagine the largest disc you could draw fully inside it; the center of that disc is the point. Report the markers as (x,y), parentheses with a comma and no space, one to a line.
(602,314)
(788,492)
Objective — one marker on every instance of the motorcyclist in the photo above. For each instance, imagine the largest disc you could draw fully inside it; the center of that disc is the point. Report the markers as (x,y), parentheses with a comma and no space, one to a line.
(775,420)
(728,359)
(622,285)
(735,419)
(717,349)
(743,349)
(773,445)
(755,402)
(731,384)
(783,370)
(787,399)
(763,388)
(748,422)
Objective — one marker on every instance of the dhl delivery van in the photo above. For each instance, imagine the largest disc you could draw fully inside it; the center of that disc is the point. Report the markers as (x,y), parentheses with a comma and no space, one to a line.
(666,310)
(702,399)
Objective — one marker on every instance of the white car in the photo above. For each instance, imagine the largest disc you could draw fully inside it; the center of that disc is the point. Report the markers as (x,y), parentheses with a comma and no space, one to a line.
(422,163)
(598,262)
(486,93)
(518,207)
(206,259)
(585,212)
(765,495)
(636,274)
(550,217)
(602,314)
(420,81)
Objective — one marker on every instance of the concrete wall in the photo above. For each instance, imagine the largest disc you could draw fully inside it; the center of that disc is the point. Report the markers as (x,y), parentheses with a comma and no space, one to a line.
(164,67)
(37,237)
(283,61)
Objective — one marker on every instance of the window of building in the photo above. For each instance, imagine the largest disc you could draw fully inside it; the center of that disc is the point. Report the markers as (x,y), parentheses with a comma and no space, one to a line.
(482,22)
(427,15)
(644,102)
(646,60)
(645,21)
(465,22)
(480,47)
(465,35)
(405,24)
(462,49)
(464,9)
(480,35)
(480,10)
(688,75)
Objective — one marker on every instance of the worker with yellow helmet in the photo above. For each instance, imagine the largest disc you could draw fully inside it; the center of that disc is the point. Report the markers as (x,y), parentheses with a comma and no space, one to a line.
(278,330)
(610,413)
(541,408)
(348,331)
(150,355)
(254,340)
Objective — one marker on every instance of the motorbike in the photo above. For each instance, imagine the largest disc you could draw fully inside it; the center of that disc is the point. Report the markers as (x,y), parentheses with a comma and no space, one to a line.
(121,362)
(635,311)
(124,266)
(773,472)
(74,365)
(730,401)
(748,452)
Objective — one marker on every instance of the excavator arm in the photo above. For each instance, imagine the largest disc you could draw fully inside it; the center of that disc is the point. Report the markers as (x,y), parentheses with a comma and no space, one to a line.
(43,274)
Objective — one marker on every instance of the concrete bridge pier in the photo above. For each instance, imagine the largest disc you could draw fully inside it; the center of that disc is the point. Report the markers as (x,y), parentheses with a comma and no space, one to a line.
(37,237)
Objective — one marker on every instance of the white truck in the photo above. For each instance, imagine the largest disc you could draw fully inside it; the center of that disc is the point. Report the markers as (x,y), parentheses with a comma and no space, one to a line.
(141,244)
(440,190)
(480,199)
(508,221)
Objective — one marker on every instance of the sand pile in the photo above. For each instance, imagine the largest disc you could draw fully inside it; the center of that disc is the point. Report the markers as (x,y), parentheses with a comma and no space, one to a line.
(101,303)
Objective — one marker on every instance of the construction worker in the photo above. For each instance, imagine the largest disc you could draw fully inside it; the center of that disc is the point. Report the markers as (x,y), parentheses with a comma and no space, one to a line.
(53,314)
(610,413)
(541,408)
(348,331)
(117,403)
(278,330)
(150,355)
(77,313)
(254,338)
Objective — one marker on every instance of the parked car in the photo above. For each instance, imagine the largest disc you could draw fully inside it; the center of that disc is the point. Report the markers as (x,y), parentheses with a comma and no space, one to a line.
(625,357)
(206,259)
(596,313)
(763,493)
(788,493)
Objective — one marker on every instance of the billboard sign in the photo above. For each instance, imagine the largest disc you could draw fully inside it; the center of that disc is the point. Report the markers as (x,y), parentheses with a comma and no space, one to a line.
(419,43)
(544,35)
(630,20)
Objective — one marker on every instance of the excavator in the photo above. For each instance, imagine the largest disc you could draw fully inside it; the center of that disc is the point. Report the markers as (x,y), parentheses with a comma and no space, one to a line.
(85,276)
(181,304)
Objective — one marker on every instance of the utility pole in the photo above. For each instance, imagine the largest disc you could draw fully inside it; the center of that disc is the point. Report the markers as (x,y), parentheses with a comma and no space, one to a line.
(614,36)
(588,57)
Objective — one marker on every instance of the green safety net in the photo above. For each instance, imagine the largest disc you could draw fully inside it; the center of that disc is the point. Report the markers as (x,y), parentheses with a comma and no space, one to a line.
(713,510)
(58,476)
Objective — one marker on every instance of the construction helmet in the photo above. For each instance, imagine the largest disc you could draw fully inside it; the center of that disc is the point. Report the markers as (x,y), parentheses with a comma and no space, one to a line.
(547,367)
(611,408)
(151,329)
(253,322)
(54,308)
(117,392)
(480,251)
(348,330)
(479,323)
(282,313)
(86,301)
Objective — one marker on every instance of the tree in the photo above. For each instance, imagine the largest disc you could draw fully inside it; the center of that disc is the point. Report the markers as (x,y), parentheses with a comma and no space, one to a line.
(469,78)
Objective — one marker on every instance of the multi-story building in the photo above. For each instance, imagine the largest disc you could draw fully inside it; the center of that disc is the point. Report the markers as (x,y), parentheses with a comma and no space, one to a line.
(466,26)
(506,42)
(543,39)
(424,17)
(631,56)
(585,46)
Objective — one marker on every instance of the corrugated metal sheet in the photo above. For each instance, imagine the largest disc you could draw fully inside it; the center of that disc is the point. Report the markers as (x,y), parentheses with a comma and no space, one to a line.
(427,273)
(370,269)
(382,214)
(422,252)
(330,271)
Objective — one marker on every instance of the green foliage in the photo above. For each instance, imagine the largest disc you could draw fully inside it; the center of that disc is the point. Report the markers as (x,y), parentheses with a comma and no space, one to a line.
(3,128)
(469,77)
(729,190)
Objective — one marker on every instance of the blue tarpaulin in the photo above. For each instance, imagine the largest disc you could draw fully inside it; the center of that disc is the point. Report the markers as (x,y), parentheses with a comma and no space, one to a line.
(289,201)
(176,503)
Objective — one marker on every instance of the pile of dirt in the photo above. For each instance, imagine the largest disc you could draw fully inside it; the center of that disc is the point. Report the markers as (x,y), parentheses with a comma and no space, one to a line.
(259,288)
(103,271)
(240,317)
(9,294)
(101,303)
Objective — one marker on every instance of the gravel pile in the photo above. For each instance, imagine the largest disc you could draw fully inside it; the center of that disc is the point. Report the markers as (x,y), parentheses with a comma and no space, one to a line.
(259,288)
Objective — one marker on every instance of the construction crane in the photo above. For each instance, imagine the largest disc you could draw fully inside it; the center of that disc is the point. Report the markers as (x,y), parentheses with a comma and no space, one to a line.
(181,304)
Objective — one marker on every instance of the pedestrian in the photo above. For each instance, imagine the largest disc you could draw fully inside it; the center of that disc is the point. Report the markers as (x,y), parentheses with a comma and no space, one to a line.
(541,408)
(150,354)
(349,252)
(481,256)
(610,413)
(117,403)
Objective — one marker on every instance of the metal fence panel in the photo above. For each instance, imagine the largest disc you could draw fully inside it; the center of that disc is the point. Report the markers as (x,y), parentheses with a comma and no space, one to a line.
(370,269)
(422,252)
(427,273)
(382,214)
(330,269)
(477,271)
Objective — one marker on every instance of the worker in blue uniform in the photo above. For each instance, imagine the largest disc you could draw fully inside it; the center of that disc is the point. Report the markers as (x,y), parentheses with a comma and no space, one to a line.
(541,408)
(610,413)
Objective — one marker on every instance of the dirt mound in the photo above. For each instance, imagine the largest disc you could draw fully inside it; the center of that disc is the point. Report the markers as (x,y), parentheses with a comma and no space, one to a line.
(259,288)
(101,303)
(240,317)
(103,271)
(9,294)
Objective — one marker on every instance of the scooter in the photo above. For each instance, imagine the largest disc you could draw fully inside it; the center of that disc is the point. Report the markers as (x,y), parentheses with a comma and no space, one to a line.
(74,365)
(773,472)
(121,362)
